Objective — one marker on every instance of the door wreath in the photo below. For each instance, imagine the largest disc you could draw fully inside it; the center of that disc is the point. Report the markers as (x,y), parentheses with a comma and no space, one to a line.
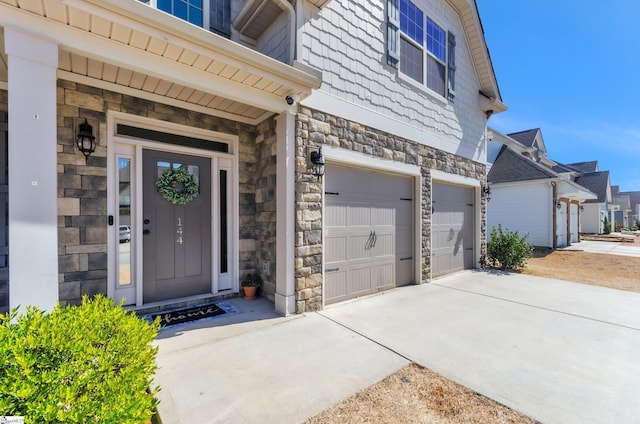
(167,183)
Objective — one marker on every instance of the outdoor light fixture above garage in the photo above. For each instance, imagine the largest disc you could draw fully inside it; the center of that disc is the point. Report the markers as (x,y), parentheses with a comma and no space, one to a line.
(318,163)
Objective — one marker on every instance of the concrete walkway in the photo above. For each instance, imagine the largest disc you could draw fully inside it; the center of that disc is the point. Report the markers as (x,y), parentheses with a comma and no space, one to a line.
(559,352)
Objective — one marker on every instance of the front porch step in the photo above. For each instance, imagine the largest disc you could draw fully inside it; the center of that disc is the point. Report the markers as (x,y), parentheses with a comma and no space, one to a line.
(180,303)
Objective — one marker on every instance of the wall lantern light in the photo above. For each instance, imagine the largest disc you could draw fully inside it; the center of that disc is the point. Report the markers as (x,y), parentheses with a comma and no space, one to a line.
(581,208)
(558,205)
(318,163)
(86,142)
(486,191)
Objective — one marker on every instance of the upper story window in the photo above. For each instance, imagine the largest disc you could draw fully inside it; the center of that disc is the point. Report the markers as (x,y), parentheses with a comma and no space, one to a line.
(420,48)
(211,14)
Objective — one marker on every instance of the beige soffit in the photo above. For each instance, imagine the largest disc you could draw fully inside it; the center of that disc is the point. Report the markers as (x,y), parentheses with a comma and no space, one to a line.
(128,46)
(474,33)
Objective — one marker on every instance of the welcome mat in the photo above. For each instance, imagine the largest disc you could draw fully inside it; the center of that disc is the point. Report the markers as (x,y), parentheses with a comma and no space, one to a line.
(193,313)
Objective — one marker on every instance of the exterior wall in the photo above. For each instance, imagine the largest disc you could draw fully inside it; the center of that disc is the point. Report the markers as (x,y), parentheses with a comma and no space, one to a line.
(314,129)
(265,198)
(274,42)
(591,218)
(82,199)
(346,41)
(526,208)
(82,195)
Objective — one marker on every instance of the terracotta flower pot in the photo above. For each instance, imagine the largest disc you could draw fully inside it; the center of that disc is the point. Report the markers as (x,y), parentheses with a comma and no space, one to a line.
(250,293)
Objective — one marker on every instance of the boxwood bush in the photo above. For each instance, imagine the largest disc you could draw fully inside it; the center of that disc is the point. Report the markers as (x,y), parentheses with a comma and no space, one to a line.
(79,364)
(506,250)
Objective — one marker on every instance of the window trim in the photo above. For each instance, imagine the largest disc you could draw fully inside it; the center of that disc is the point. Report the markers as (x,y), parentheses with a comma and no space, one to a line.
(447,94)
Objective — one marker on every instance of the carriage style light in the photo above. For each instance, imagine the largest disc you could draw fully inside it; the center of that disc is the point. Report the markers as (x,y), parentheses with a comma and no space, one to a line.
(86,142)
(318,163)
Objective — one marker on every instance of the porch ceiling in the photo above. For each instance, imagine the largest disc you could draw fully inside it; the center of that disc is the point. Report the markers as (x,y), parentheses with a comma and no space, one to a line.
(128,46)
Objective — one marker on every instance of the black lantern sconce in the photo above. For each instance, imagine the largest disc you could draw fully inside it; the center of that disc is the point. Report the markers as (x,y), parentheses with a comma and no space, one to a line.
(558,205)
(486,191)
(86,142)
(581,208)
(318,163)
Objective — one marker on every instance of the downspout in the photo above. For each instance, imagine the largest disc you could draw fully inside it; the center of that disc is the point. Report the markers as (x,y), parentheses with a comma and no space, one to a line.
(292,29)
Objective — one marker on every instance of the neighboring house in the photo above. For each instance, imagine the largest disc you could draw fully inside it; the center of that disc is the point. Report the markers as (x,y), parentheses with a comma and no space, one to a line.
(393,96)
(527,195)
(634,200)
(622,205)
(595,210)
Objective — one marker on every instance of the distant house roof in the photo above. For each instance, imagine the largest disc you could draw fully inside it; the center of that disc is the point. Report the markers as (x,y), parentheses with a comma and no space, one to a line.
(511,166)
(590,166)
(596,182)
(526,137)
(560,168)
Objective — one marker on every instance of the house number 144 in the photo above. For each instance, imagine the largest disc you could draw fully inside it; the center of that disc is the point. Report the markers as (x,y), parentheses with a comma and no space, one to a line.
(179,231)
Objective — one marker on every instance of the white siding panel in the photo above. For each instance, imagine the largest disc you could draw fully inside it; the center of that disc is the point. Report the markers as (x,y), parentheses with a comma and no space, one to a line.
(525,208)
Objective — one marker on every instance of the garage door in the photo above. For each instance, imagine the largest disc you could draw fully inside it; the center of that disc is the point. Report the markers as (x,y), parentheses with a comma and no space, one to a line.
(574,223)
(452,229)
(368,232)
(561,225)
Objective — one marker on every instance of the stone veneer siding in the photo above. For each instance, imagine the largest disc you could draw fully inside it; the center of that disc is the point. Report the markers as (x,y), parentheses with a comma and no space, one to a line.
(265,199)
(82,186)
(313,129)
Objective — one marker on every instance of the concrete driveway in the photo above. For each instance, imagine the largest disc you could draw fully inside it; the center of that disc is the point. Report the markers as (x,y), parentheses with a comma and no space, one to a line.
(559,352)
(608,247)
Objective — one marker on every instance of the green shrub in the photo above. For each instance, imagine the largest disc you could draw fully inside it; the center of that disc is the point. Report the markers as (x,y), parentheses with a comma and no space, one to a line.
(79,364)
(506,250)
(606,225)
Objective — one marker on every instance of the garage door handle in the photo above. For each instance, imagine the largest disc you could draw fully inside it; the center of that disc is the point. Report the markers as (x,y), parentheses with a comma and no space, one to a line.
(407,258)
(332,270)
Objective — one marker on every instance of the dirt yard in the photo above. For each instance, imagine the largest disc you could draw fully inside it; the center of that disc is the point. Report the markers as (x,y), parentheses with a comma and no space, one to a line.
(616,272)
(417,395)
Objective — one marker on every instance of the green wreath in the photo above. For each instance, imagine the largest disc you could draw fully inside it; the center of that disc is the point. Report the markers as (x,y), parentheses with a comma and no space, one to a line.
(167,186)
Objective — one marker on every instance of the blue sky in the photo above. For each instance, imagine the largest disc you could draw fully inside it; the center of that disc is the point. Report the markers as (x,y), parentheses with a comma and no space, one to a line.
(571,68)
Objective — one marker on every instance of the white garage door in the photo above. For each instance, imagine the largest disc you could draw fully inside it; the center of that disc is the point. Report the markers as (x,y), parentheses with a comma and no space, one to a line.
(368,232)
(452,229)
(574,223)
(561,225)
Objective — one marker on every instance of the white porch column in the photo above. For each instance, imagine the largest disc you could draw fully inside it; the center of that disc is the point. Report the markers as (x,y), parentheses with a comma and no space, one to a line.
(33,218)
(285,300)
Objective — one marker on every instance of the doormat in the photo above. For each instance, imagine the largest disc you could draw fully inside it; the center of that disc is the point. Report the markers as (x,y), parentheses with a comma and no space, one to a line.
(194,313)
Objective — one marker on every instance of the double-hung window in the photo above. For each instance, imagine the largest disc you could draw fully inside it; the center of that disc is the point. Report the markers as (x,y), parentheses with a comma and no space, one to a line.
(426,51)
(211,14)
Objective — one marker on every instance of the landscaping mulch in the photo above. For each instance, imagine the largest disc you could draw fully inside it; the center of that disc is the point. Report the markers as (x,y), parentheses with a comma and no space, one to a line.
(417,395)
